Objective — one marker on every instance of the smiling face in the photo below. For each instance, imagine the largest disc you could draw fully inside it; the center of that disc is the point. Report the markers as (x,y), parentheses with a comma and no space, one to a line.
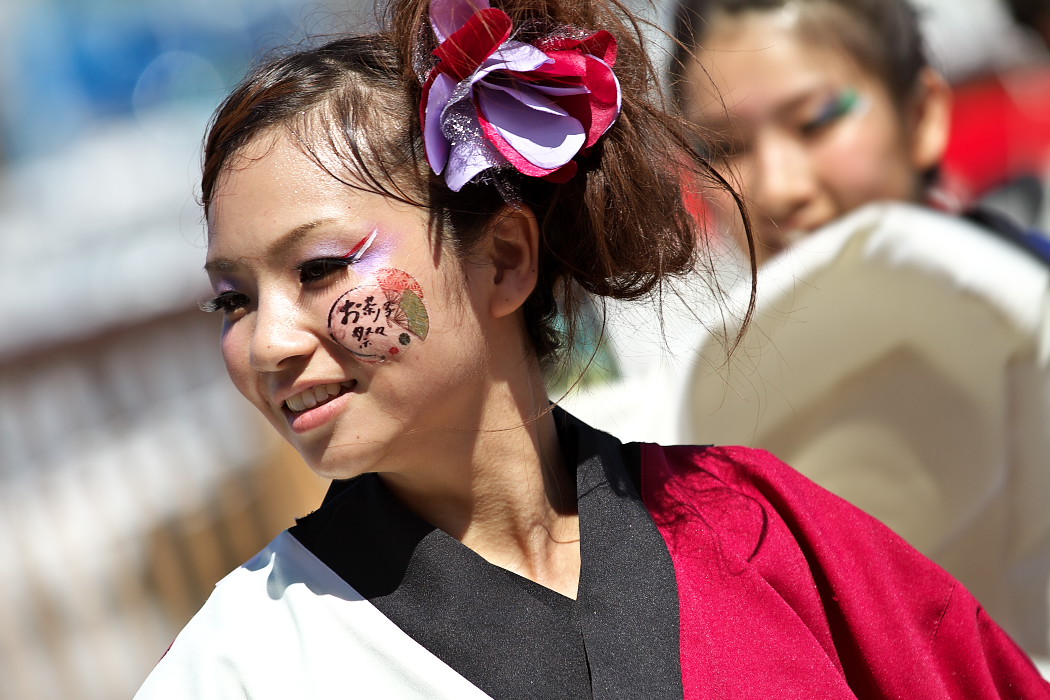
(803,132)
(342,323)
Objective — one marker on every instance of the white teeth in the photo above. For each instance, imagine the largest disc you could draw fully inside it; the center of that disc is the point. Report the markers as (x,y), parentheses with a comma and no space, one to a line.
(316,395)
(323,392)
(295,403)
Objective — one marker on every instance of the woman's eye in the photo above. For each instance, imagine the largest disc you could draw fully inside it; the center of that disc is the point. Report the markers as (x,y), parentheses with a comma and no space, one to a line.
(834,109)
(227,302)
(815,126)
(317,270)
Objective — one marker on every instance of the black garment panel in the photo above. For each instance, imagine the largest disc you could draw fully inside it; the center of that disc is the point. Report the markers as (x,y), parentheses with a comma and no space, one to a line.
(511,637)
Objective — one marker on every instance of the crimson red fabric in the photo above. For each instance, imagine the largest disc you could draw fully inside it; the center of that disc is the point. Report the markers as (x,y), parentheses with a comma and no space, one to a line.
(1000,131)
(787,591)
(467,48)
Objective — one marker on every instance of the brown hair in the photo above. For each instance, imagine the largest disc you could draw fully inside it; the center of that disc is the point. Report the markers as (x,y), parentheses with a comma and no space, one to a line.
(1032,13)
(619,228)
(883,36)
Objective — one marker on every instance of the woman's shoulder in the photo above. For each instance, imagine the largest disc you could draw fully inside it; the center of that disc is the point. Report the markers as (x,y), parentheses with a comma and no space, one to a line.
(217,652)
(818,574)
(258,626)
(285,625)
(274,590)
(773,516)
(750,473)
(743,468)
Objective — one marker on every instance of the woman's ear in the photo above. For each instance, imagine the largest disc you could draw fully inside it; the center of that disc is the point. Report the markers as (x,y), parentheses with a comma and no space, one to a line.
(930,120)
(513,250)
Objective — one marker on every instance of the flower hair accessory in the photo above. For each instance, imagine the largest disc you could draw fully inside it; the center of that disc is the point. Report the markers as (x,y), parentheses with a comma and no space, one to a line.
(493,102)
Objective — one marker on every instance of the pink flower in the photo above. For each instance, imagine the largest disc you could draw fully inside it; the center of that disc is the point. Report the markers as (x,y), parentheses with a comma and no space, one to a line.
(492,102)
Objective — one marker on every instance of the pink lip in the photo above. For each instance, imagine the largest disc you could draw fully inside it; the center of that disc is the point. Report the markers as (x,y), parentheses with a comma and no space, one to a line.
(315,417)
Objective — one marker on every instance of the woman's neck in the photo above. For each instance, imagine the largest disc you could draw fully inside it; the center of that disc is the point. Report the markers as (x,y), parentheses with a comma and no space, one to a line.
(503,490)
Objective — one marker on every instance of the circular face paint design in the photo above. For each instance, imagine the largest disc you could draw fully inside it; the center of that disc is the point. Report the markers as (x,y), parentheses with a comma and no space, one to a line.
(381,319)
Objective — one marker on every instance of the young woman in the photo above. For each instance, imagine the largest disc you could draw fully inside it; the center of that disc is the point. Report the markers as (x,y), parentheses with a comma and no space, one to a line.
(391,219)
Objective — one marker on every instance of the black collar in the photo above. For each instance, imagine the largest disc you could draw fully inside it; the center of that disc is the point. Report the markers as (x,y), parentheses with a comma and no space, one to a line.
(509,636)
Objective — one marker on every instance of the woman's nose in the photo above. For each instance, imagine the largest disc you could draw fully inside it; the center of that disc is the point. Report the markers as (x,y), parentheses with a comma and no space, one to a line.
(782,176)
(281,333)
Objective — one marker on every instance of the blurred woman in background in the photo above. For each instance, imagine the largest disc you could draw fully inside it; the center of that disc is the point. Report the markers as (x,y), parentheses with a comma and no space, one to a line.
(899,356)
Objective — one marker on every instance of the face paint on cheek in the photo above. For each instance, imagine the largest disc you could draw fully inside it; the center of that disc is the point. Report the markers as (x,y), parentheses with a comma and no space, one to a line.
(382,319)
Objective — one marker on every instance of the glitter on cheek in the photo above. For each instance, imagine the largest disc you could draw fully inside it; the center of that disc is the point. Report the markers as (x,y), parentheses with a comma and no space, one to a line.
(381,319)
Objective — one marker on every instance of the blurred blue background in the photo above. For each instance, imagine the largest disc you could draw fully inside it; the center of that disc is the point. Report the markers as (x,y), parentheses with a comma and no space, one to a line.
(72,66)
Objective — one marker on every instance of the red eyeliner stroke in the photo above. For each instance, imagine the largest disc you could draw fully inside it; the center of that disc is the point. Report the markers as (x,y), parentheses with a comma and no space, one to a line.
(361,246)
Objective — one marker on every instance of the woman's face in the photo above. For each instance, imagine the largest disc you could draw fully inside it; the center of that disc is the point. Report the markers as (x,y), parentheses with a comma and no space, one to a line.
(343,325)
(807,135)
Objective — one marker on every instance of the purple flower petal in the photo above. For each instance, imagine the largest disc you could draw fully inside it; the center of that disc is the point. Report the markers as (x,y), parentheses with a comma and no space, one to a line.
(539,130)
(447,16)
(526,94)
(558,91)
(467,159)
(513,55)
(437,146)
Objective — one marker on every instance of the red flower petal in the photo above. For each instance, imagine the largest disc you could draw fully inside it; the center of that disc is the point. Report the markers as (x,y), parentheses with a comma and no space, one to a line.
(426,97)
(563,174)
(605,102)
(565,64)
(464,51)
(600,44)
(597,110)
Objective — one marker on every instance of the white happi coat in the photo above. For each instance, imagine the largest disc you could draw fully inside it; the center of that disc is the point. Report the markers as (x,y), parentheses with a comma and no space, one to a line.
(285,626)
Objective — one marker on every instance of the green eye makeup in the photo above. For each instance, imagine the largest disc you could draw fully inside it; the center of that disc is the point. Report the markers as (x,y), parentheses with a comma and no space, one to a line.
(847,102)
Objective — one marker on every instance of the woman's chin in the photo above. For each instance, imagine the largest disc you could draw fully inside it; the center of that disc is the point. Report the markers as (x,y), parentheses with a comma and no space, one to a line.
(339,460)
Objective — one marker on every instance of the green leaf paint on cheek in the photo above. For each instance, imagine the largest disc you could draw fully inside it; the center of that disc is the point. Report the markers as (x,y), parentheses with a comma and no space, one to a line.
(416,317)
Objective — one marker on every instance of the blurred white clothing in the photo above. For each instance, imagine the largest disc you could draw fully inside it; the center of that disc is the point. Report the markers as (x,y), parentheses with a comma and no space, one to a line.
(967,38)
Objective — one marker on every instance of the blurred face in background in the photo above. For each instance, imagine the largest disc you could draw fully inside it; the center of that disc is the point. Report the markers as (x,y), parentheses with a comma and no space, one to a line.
(802,130)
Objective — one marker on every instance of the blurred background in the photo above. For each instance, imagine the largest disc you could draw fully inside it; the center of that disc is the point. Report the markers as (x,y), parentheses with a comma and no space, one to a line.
(132,476)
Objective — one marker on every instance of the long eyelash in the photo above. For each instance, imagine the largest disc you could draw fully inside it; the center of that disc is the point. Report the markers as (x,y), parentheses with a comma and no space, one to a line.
(337,262)
(349,258)
(216,303)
